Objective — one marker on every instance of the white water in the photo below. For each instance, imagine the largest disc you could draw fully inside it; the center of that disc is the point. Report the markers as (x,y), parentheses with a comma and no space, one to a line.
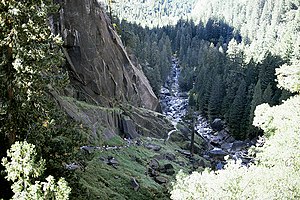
(174,105)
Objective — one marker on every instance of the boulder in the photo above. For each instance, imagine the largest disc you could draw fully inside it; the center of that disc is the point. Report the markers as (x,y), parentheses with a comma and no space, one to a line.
(217,124)
(185,153)
(134,184)
(170,156)
(217,153)
(238,145)
(167,169)
(72,166)
(88,149)
(152,172)
(229,139)
(110,161)
(219,165)
(160,179)
(154,164)
(153,147)
(128,127)
(226,146)
(201,163)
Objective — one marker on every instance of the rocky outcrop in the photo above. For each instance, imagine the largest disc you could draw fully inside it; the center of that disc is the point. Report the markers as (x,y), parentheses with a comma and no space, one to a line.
(104,123)
(107,93)
(100,70)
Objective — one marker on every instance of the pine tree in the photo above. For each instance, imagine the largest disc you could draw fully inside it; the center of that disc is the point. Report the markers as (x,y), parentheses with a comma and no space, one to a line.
(31,57)
(256,100)
(268,94)
(216,98)
(236,121)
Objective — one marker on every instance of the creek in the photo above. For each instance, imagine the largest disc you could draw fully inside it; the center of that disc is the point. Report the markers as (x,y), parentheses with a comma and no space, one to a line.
(218,142)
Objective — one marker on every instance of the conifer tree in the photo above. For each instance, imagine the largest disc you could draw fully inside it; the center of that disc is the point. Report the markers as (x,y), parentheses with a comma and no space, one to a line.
(236,121)
(216,98)
(30,62)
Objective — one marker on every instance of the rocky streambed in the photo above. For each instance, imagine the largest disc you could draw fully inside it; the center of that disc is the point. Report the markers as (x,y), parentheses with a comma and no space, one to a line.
(218,142)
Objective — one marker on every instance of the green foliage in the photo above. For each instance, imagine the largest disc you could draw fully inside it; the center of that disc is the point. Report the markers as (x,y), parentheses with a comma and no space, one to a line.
(23,168)
(276,172)
(30,71)
(153,50)
(104,181)
(236,112)
(30,60)
(288,76)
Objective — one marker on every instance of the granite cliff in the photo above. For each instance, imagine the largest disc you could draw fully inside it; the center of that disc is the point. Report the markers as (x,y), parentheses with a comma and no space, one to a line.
(107,93)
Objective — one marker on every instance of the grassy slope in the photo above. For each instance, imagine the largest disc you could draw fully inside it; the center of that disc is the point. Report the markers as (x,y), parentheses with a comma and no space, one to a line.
(103,181)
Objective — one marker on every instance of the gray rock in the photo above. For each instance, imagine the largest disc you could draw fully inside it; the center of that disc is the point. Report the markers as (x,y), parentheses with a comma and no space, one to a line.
(217,124)
(201,163)
(186,153)
(88,149)
(135,185)
(72,166)
(170,156)
(217,153)
(167,169)
(154,164)
(160,179)
(153,147)
(113,161)
(152,172)
(229,139)
(100,68)
(219,166)
(129,128)
(226,146)
(238,145)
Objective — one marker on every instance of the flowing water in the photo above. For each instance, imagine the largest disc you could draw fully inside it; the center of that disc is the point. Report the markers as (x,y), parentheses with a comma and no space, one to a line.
(174,105)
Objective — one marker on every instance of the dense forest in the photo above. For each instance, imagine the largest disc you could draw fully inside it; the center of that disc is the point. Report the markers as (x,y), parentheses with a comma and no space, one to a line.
(228,68)
(150,13)
(234,57)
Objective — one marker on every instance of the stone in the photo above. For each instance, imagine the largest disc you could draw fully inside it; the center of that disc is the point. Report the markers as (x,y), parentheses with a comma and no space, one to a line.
(226,146)
(201,163)
(88,149)
(99,67)
(154,164)
(72,166)
(186,153)
(152,172)
(153,147)
(113,161)
(134,184)
(217,124)
(170,156)
(129,128)
(217,153)
(229,139)
(169,169)
(219,165)
(160,179)
(238,145)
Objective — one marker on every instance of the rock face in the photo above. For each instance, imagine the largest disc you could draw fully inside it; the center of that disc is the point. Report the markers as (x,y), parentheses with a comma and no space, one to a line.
(99,67)
(107,92)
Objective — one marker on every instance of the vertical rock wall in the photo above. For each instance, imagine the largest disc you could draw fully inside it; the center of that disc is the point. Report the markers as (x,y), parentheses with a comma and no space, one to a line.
(100,69)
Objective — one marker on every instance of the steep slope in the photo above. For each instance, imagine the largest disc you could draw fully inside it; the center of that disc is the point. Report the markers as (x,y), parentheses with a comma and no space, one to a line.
(100,67)
(107,93)
(112,99)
